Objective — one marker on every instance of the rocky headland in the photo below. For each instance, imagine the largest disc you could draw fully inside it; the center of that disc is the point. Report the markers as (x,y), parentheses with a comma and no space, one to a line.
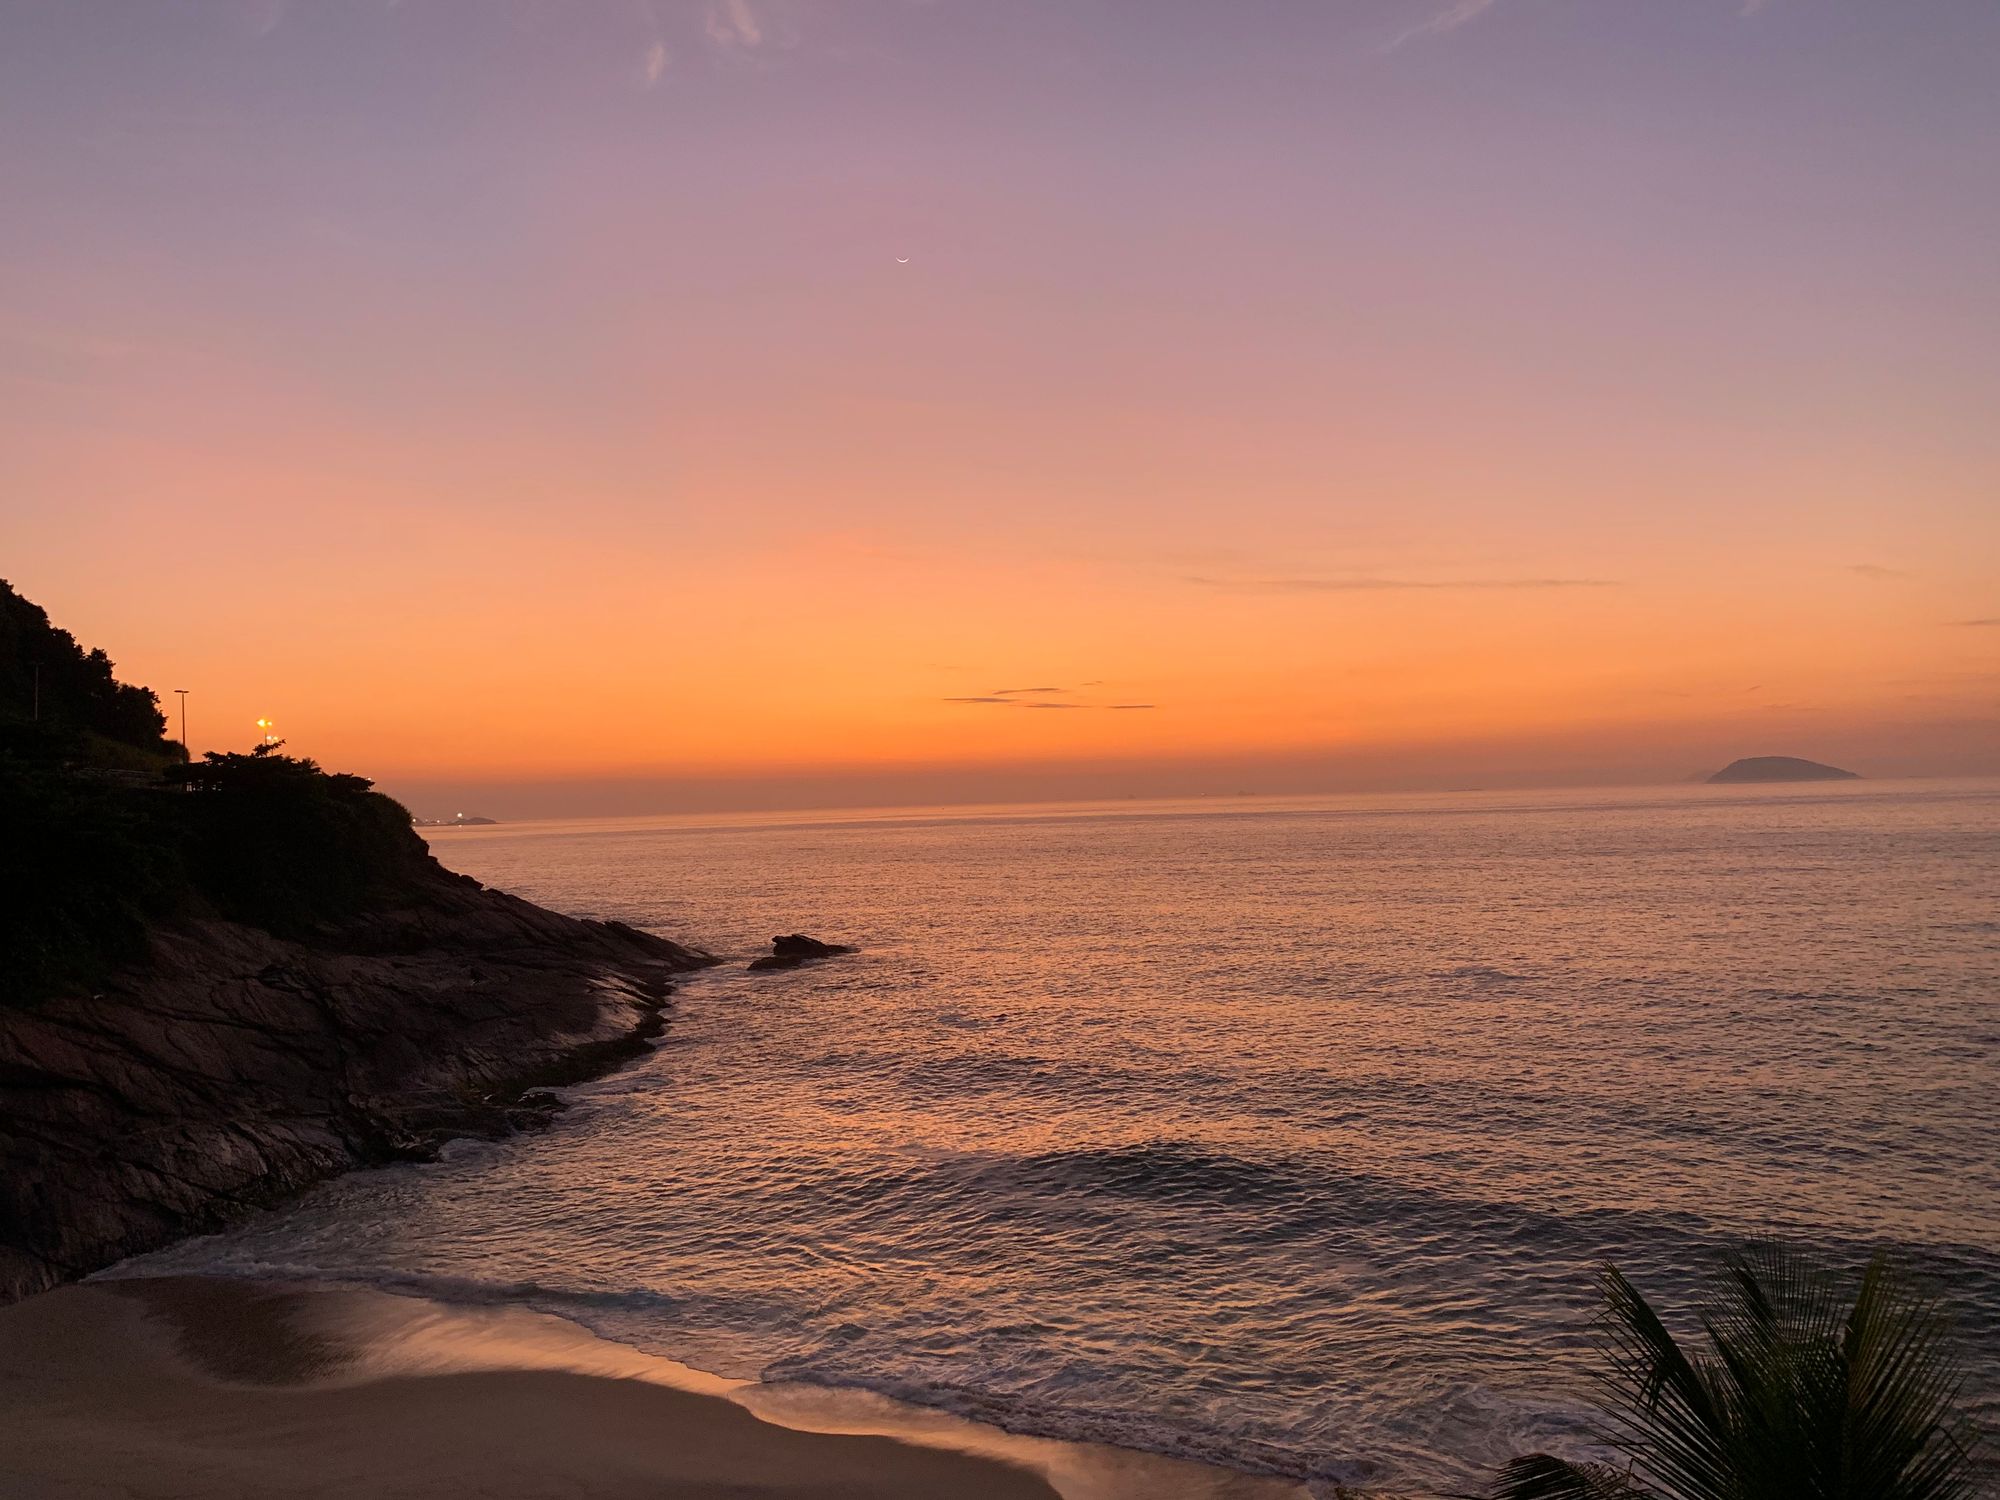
(222,981)
(230,1066)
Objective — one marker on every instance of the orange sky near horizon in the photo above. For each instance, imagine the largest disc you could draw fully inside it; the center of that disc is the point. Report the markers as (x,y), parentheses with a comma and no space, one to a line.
(488,402)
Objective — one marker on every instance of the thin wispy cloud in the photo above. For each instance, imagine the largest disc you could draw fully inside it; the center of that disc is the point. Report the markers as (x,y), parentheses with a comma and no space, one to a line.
(1981,676)
(716,32)
(1446,21)
(265,16)
(1978,624)
(1389,585)
(732,23)
(1012,702)
(1464,12)
(1038,697)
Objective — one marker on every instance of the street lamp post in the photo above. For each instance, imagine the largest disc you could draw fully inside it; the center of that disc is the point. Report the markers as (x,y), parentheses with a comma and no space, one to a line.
(187,753)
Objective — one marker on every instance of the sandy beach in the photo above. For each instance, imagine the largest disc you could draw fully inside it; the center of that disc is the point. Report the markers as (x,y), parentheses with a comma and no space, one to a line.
(172,1387)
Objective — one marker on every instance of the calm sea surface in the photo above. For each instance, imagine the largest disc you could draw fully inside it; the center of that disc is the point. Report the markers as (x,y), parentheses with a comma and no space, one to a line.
(1286,1134)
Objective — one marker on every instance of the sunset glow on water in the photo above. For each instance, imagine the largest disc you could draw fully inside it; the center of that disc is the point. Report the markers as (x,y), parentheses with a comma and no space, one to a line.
(1287,1135)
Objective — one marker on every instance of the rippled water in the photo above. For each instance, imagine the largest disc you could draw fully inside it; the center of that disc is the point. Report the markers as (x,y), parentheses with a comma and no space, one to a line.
(1282,1133)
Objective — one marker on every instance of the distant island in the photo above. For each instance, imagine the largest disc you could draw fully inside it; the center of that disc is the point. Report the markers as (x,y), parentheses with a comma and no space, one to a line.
(1778,768)
(456,820)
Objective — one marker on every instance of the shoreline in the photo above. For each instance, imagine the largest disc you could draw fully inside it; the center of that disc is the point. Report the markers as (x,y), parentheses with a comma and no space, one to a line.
(232,1067)
(168,1386)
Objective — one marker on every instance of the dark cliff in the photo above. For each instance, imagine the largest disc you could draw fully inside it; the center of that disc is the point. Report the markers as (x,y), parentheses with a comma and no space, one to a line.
(221,982)
(230,1066)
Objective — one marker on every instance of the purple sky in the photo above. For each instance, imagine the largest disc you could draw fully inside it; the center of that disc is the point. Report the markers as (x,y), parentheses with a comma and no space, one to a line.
(1531,387)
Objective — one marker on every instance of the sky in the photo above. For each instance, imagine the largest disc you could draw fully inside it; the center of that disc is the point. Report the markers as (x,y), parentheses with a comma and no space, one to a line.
(620,406)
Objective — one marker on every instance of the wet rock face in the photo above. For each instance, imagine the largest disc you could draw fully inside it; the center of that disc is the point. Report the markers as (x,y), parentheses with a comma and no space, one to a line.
(231,1067)
(790,952)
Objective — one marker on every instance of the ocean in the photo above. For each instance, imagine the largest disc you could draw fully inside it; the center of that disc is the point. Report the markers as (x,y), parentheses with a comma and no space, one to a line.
(1286,1134)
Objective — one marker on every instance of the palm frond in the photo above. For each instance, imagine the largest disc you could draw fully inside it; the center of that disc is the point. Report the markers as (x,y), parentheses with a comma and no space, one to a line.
(1807,1382)
(1540,1477)
(1897,1384)
(1664,1409)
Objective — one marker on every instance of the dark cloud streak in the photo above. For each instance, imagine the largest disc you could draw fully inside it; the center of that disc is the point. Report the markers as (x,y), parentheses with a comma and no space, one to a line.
(1000,702)
(1389,585)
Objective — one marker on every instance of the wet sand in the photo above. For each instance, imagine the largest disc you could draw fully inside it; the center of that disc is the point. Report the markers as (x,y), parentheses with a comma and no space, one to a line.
(173,1387)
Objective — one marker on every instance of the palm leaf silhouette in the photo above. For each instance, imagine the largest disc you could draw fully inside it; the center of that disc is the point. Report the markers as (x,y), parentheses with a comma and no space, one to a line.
(1807,1385)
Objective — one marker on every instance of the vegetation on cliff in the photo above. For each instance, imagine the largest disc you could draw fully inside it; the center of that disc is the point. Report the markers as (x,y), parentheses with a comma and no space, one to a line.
(60,700)
(108,831)
(220,982)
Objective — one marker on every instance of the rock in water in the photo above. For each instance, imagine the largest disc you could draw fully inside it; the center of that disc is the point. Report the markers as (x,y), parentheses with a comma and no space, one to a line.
(790,952)
(1779,768)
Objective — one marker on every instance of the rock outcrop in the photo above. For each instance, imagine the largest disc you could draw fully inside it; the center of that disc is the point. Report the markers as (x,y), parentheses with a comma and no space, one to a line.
(230,1066)
(790,952)
(1778,768)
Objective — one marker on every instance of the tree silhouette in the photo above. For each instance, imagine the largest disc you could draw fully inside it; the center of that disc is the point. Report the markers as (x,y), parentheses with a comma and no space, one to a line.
(45,674)
(1807,1385)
